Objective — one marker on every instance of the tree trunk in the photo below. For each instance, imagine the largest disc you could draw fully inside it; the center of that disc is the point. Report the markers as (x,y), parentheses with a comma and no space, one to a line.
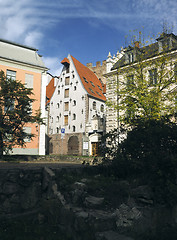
(1,145)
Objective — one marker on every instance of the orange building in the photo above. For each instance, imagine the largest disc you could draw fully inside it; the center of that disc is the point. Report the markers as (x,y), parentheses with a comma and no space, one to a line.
(25,64)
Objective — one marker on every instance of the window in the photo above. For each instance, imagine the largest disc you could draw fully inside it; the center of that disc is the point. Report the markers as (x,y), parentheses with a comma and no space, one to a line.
(67,80)
(99,87)
(58,105)
(131,57)
(82,111)
(66,120)
(94,105)
(91,90)
(153,76)
(67,68)
(85,79)
(66,107)
(66,93)
(92,84)
(28,80)
(74,103)
(57,118)
(75,88)
(58,92)
(81,125)
(98,93)
(102,108)
(74,116)
(175,70)
(57,130)
(130,81)
(74,128)
(11,74)
(27,130)
(30,108)
(9,104)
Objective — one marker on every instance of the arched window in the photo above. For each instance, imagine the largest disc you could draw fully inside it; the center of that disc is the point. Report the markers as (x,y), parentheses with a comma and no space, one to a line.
(74,103)
(57,130)
(102,108)
(94,105)
(74,128)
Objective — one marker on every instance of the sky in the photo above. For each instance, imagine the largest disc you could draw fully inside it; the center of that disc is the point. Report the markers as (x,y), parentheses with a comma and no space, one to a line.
(86,29)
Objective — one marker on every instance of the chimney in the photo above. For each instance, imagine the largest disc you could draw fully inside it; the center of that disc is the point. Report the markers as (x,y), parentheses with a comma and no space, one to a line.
(137,44)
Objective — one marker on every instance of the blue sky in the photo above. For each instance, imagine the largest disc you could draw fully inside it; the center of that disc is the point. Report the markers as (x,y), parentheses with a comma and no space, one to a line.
(87,29)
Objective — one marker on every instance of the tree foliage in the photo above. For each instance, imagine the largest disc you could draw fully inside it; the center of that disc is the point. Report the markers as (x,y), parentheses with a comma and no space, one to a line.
(15,113)
(149,152)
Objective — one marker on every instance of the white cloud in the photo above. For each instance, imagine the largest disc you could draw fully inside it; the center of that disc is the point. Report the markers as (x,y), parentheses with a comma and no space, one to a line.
(53,63)
(33,38)
(28,21)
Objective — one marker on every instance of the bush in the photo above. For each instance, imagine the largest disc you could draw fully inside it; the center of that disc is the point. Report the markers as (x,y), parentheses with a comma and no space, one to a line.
(150,152)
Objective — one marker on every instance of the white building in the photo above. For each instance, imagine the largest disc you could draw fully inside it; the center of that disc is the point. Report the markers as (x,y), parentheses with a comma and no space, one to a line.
(77,102)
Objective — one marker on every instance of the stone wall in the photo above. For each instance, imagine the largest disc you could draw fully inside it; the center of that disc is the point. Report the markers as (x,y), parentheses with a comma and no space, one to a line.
(51,199)
(99,70)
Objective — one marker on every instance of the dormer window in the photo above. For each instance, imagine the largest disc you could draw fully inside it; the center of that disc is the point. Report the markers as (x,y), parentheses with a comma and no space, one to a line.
(85,79)
(91,90)
(131,57)
(92,83)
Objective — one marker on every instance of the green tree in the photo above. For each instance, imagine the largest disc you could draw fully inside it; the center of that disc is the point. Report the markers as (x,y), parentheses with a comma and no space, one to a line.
(15,112)
(145,81)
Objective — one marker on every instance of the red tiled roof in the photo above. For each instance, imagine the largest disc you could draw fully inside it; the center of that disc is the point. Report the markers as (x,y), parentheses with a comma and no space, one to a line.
(65,60)
(50,90)
(89,80)
(104,88)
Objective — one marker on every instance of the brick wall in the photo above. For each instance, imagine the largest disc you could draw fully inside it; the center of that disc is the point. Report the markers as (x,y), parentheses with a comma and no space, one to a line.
(60,146)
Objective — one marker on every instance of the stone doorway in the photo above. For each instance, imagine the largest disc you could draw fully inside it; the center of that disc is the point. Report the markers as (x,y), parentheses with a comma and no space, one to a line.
(73,145)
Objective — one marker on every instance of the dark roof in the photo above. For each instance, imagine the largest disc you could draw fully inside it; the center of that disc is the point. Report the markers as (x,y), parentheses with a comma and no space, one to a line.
(145,52)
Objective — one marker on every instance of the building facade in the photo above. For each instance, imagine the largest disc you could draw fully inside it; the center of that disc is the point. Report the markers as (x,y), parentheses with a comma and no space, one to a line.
(25,64)
(158,63)
(78,98)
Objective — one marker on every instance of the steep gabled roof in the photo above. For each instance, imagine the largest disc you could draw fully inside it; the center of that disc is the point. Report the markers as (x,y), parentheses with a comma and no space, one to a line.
(89,80)
(50,90)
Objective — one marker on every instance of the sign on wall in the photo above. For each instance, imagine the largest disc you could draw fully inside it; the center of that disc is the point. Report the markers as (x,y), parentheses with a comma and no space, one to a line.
(85,145)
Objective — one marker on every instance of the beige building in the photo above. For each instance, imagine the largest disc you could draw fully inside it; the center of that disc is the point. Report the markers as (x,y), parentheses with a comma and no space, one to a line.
(119,71)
